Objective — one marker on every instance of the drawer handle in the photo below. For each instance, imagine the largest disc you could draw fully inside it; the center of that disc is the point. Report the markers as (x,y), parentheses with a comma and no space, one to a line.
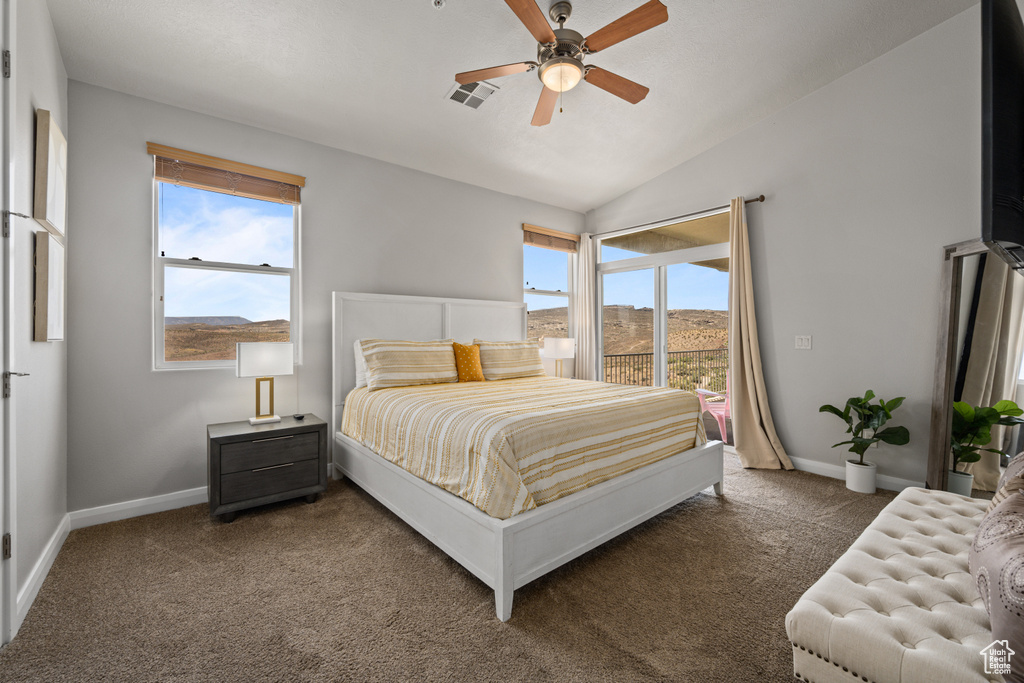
(273,467)
(274,438)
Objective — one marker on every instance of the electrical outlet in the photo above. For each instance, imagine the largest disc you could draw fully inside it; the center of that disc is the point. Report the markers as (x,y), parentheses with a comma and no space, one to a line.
(803,342)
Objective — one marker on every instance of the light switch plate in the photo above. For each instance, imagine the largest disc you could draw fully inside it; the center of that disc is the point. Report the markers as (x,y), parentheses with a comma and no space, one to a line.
(803,342)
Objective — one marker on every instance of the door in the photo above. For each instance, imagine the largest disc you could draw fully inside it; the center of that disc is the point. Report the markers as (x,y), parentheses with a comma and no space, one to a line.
(6,573)
(664,303)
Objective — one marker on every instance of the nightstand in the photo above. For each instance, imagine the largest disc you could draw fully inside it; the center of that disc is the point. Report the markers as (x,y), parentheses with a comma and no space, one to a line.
(250,465)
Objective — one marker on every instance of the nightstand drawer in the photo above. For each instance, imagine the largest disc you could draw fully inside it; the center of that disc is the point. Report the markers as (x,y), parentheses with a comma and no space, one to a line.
(269,480)
(272,450)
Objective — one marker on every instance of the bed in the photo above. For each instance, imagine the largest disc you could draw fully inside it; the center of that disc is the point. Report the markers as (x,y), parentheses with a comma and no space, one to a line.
(503,553)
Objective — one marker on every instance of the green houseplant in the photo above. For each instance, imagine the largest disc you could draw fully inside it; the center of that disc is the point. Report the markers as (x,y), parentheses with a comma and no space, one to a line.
(972,432)
(860,416)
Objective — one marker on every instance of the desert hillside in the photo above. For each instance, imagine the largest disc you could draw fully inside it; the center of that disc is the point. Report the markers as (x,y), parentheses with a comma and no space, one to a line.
(631,330)
(205,341)
(208,320)
(626,330)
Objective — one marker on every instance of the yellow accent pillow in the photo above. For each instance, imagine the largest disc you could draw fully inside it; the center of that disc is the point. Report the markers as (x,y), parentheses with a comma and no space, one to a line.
(467,360)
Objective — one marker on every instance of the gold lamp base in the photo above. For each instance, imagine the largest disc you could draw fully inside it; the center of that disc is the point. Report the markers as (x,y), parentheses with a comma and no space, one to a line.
(269,416)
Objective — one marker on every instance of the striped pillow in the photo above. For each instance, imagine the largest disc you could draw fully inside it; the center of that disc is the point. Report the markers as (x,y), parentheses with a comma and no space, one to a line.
(395,363)
(357,350)
(1005,490)
(1013,468)
(506,360)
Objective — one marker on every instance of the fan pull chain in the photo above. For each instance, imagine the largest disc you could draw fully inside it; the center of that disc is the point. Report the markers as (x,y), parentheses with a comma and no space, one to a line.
(560,94)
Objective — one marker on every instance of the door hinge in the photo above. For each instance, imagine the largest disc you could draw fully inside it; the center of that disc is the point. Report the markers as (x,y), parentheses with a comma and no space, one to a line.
(7,63)
(7,547)
(7,221)
(7,381)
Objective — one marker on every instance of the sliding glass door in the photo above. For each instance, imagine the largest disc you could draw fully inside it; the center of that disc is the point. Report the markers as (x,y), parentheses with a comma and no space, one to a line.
(664,291)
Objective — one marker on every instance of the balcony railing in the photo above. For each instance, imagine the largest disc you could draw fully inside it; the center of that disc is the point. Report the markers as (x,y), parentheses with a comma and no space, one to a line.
(687,370)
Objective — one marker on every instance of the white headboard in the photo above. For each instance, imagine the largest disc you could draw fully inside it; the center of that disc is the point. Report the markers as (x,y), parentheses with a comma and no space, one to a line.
(417,318)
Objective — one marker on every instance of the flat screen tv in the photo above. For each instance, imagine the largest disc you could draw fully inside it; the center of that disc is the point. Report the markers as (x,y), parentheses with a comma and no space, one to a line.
(1002,130)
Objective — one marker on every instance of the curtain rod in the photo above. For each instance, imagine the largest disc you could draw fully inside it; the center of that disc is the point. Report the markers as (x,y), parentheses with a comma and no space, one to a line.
(666,221)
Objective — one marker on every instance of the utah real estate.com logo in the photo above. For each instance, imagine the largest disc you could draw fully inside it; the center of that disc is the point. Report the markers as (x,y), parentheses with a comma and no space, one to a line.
(997,657)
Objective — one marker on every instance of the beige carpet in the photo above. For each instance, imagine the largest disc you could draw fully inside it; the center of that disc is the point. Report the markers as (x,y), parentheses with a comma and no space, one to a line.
(343,590)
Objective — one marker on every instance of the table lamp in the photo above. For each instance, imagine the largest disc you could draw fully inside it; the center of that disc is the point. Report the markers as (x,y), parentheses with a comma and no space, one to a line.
(559,348)
(263,360)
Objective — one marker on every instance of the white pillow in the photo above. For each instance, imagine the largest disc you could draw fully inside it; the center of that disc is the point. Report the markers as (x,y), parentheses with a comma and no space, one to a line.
(507,360)
(398,363)
(360,363)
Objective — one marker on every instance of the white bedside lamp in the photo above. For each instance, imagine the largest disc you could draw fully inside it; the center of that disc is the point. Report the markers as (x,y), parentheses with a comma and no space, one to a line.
(559,348)
(263,360)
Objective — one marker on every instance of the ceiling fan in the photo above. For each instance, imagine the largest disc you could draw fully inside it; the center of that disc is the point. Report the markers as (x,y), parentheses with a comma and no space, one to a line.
(560,53)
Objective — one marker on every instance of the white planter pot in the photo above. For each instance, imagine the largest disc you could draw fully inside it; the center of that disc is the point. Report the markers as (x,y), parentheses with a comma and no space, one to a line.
(960,482)
(861,478)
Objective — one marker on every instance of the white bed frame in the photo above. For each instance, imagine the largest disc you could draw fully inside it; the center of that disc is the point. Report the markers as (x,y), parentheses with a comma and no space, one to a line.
(503,553)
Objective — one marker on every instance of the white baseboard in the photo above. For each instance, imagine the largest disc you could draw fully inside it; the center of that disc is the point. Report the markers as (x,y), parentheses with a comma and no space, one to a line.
(27,595)
(138,507)
(825,469)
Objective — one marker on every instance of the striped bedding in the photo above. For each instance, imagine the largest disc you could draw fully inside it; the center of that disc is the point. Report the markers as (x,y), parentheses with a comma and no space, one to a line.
(511,445)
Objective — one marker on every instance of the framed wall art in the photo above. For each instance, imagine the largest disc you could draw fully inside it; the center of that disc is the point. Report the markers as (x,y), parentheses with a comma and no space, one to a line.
(48,322)
(51,189)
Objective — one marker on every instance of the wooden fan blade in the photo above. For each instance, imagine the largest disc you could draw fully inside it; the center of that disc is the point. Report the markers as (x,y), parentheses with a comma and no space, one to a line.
(639,20)
(545,107)
(533,19)
(493,72)
(617,85)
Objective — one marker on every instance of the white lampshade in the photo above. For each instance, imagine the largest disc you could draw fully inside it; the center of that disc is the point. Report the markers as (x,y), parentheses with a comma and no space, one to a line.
(561,74)
(264,359)
(559,347)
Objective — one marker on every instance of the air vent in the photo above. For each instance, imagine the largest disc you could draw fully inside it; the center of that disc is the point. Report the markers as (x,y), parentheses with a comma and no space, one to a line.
(472,94)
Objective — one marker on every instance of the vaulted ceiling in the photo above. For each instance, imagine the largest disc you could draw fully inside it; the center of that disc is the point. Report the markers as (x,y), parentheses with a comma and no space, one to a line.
(372,77)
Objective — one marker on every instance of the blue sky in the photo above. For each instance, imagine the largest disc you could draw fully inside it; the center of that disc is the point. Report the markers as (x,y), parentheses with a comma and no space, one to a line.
(689,286)
(222,227)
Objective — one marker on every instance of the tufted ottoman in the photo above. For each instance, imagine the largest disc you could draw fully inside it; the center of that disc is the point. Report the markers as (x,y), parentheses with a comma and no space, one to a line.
(900,604)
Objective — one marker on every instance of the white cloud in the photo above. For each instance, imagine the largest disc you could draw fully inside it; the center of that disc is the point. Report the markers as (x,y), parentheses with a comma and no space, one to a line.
(229,229)
(233,234)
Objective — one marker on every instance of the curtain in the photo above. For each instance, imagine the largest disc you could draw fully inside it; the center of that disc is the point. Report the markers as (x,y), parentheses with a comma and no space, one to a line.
(584,309)
(757,444)
(994,362)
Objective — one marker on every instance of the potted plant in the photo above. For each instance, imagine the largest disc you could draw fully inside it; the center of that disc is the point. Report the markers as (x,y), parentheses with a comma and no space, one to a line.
(972,431)
(861,415)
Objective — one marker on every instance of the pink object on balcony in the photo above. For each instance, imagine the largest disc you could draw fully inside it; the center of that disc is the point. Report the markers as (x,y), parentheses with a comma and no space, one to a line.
(716,404)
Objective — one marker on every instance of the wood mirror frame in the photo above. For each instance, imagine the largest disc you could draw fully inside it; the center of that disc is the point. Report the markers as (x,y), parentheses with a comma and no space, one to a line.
(946,355)
(946,359)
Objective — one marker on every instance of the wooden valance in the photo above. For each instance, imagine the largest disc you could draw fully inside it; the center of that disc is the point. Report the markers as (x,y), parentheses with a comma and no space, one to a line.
(205,172)
(550,239)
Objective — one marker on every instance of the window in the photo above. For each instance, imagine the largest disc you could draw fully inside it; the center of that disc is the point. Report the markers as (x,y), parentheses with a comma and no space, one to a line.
(226,258)
(548,263)
(664,314)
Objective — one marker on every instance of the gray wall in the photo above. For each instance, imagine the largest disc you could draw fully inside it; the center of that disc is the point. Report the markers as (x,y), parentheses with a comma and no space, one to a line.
(367,226)
(866,179)
(40,402)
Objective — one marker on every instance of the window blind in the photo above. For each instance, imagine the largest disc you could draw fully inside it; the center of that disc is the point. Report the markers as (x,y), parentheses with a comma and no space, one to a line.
(205,172)
(550,239)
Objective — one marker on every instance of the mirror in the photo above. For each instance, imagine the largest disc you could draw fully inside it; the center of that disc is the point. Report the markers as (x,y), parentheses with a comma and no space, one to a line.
(978,352)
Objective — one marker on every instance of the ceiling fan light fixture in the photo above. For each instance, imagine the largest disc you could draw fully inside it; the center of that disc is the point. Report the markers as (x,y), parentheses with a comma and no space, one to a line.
(561,73)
